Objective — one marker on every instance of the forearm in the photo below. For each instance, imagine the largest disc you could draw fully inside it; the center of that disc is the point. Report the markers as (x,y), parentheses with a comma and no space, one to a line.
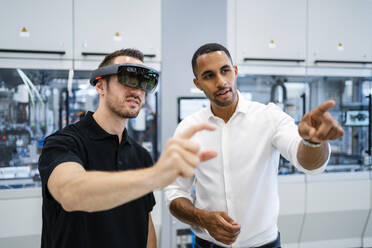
(184,210)
(312,158)
(96,191)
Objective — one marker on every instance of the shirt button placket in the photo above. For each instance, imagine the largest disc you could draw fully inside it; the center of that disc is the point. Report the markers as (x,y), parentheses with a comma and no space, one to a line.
(226,169)
(225,162)
(119,163)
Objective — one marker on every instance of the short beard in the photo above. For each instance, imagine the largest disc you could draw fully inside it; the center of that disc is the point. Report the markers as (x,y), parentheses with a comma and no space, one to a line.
(225,103)
(122,113)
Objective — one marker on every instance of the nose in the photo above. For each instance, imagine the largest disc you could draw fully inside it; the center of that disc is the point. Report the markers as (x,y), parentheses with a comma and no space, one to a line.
(220,81)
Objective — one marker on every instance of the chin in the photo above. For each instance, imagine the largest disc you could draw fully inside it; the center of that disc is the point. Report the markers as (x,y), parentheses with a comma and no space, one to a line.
(128,115)
(132,114)
(224,103)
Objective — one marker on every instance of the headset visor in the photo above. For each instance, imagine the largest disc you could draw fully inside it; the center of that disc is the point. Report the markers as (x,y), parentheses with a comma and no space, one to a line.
(132,75)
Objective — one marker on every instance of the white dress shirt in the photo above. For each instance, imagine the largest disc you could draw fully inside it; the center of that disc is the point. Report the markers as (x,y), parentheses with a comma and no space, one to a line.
(242,179)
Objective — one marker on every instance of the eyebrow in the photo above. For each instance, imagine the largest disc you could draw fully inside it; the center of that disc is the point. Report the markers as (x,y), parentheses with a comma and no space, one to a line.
(209,71)
(206,72)
(225,66)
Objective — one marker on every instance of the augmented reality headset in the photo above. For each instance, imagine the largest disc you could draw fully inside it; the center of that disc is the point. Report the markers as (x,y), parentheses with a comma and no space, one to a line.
(132,75)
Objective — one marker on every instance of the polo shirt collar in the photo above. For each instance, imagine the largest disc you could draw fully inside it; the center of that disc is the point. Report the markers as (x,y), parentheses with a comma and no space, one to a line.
(242,106)
(96,132)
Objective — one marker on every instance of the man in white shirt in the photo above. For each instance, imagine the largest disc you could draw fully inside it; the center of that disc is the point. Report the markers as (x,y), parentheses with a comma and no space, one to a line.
(236,193)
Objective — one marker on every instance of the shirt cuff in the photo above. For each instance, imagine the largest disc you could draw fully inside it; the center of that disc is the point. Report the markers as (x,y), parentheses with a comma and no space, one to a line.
(317,170)
(171,194)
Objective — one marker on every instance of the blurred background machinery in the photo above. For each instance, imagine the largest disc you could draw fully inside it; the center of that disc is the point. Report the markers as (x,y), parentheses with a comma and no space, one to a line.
(36,103)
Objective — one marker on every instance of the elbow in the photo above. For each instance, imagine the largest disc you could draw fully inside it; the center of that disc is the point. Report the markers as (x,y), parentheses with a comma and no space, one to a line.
(67,199)
(73,201)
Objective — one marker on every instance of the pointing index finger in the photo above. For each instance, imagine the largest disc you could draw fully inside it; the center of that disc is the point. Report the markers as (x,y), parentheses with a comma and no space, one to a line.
(188,133)
(324,107)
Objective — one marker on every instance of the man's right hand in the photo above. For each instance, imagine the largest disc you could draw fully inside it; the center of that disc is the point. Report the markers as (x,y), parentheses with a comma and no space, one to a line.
(181,155)
(220,226)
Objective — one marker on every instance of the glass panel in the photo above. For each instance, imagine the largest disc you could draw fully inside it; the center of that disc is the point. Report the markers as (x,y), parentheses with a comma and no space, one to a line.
(144,128)
(367,93)
(351,111)
(32,106)
(36,103)
(83,96)
(298,94)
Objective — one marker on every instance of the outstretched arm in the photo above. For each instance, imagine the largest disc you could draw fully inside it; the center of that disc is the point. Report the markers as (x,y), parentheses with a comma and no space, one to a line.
(79,190)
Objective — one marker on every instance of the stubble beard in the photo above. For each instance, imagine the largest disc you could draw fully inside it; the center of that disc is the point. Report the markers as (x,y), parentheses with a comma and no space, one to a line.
(214,99)
(122,112)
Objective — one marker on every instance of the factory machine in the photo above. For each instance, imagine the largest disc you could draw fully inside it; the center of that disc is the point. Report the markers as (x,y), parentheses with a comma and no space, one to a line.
(297,95)
(31,107)
(353,110)
(36,103)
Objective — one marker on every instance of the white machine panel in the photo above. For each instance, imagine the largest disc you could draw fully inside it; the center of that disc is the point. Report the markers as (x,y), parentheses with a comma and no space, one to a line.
(367,236)
(269,29)
(21,220)
(340,30)
(105,26)
(42,26)
(337,209)
(292,193)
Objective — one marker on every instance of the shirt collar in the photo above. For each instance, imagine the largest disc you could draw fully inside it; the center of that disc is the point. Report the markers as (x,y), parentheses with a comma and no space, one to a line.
(242,106)
(96,132)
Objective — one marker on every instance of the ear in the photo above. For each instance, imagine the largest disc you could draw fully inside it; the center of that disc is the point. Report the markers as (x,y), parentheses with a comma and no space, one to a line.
(100,87)
(197,84)
(236,70)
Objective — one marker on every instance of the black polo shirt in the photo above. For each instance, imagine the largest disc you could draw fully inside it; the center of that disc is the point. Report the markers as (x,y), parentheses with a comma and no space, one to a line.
(89,145)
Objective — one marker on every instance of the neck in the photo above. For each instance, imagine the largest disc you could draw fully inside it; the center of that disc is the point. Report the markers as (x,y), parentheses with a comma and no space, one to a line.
(225,112)
(110,122)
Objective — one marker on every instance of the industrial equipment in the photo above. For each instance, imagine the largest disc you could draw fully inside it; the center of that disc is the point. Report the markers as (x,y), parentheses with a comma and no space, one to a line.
(30,101)
(297,95)
(36,103)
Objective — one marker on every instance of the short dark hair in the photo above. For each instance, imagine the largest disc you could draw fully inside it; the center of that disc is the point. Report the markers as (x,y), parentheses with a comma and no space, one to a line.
(208,48)
(130,52)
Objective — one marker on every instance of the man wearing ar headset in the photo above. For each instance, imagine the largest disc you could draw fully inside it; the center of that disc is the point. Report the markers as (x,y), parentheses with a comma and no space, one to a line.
(97,182)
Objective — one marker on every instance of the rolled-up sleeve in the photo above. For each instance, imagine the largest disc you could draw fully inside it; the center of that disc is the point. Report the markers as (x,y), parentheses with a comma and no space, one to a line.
(287,139)
(181,187)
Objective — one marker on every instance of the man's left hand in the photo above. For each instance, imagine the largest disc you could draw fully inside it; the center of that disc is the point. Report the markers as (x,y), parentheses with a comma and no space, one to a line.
(318,125)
